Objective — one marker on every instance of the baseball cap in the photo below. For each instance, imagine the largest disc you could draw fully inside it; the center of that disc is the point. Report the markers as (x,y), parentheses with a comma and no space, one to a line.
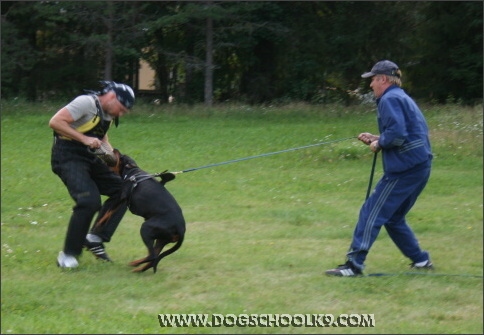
(383,67)
(124,93)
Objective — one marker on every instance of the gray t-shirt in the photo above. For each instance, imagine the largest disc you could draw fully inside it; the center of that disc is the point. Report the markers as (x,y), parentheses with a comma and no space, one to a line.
(83,109)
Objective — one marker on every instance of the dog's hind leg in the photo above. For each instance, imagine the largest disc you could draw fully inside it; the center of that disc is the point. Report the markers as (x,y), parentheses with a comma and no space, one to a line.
(139,261)
(179,241)
(154,239)
(149,241)
(148,260)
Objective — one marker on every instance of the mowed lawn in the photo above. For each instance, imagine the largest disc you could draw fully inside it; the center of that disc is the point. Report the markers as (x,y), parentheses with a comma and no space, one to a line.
(260,232)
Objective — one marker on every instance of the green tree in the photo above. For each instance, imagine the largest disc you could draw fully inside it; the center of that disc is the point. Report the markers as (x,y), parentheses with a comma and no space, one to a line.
(449,58)
(69,45)
(254,51)
(18,52)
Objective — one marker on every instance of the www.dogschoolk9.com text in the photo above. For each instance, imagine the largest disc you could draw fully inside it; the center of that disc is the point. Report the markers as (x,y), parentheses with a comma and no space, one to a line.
(266,320)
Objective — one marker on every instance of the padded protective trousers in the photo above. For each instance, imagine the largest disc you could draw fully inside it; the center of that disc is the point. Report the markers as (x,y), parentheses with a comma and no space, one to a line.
(86,178)
(387,206)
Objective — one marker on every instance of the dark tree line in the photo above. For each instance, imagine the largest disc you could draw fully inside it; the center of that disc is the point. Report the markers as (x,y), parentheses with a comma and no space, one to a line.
(252,51)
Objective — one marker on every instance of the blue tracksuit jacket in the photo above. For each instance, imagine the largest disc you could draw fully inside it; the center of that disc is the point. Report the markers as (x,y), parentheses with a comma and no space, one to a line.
(403,132)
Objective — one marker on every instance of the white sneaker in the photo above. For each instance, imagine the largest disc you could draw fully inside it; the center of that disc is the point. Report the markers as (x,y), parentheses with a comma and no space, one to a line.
(66,261)
(425,265)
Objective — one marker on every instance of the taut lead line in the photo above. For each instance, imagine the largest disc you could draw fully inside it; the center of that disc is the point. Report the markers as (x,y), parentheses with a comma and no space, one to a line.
(267,154)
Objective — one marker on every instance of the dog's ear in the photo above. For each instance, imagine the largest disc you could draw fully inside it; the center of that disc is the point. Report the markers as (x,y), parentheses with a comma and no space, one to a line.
(128,162)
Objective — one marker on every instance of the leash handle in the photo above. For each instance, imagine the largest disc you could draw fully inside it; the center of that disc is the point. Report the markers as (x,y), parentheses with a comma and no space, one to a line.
(372,173)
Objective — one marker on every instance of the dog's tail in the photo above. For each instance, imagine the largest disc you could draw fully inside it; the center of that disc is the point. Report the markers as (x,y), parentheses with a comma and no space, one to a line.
(168,252)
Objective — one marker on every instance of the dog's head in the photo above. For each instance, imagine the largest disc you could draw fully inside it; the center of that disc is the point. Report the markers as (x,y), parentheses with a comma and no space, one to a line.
(124,163)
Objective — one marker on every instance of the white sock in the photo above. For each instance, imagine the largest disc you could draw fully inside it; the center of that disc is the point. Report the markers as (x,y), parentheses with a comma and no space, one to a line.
(93,238)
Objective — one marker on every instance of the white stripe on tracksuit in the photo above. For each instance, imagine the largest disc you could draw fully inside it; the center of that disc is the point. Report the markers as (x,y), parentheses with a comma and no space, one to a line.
(365,243)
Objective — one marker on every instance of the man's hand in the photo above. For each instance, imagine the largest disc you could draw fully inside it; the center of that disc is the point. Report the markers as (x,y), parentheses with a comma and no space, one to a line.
(105,153)
(92,142)
(375,147)
(368,138)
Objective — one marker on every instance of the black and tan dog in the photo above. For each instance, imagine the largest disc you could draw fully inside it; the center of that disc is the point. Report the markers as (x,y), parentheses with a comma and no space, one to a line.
(148,198)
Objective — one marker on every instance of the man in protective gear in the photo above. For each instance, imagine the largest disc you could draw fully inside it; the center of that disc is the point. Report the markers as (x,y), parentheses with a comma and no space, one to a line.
(80,154)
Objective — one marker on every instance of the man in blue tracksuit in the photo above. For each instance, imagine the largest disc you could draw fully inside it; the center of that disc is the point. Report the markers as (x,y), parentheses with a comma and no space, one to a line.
(407,158)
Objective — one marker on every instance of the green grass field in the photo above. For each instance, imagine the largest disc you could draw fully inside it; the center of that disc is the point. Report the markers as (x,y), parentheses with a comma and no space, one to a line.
(260,233)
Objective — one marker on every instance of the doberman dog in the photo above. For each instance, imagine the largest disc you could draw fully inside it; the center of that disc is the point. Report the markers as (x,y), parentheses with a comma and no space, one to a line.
(148,198)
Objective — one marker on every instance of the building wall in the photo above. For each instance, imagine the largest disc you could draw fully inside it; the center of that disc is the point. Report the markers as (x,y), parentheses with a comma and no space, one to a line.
(146,76)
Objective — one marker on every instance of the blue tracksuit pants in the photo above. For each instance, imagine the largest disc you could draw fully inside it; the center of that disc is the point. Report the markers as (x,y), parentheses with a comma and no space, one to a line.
(387,206)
